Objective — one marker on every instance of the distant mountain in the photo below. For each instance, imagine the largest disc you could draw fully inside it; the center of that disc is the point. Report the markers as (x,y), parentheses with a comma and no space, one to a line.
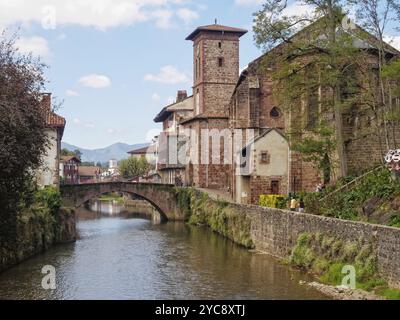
(116,151)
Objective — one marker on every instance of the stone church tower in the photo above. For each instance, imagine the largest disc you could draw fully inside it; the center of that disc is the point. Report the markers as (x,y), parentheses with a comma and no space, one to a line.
(215,75)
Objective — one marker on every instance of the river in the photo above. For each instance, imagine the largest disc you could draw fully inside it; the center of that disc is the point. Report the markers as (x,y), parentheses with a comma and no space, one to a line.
(128,257)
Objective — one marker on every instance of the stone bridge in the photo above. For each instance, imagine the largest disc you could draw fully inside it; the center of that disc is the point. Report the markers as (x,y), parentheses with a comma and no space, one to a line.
(162,197)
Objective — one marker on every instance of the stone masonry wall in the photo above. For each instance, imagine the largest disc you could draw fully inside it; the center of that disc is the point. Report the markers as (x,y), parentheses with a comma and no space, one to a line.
(36,234)
(276,231)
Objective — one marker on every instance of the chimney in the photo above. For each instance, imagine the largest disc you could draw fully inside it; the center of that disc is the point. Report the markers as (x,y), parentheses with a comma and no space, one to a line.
(182,95)
(46,101)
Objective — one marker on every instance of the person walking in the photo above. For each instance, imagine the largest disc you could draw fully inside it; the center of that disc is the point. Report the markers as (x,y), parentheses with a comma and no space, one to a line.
(302,205)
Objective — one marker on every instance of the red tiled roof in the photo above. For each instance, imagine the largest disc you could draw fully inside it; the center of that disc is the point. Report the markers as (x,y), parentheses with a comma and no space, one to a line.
(89,171)
(54,120)
(216,28)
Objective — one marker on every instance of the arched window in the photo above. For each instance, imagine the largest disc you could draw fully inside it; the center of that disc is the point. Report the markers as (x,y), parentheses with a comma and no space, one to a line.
(275,112)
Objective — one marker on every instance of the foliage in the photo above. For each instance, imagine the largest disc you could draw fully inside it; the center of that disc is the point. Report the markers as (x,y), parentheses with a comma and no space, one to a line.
(394,221)
(201,210)
(326,256)
(134,167)
(273,201)
(314,69)
(23,140)
(49,197)
(346,204)
(318,147)
(76,153)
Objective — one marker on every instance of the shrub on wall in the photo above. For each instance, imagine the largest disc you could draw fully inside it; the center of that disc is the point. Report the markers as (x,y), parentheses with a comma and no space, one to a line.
(273,201)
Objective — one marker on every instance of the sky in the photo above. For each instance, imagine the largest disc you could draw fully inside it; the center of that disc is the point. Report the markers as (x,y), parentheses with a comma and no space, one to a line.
(114,64)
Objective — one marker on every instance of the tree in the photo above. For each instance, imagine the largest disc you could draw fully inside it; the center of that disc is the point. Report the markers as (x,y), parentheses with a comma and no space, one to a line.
(67,153)
(133,167)
(23,140)
(319,73)
(375,17)
(78,154)
(311,73)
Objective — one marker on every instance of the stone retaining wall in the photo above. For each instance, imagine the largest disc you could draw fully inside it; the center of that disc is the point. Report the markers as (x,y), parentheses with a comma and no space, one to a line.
(35,235)
(276,231)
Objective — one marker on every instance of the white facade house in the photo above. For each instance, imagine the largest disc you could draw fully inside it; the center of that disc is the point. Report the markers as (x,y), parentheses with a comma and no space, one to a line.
(48,174)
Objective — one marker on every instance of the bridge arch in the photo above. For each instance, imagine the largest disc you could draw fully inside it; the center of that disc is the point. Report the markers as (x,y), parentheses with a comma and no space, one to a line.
(162,197)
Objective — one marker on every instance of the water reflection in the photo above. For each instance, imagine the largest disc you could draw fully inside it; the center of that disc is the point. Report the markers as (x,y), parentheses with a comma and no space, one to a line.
(120,258)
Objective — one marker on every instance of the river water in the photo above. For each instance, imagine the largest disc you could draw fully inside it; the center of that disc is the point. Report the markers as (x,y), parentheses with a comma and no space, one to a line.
(127,257)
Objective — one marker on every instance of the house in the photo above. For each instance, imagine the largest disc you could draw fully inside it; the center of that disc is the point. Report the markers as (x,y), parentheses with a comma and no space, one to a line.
(69,170)
(263,169)
(226,104)
(48,173)
(149,153)
(89,174)
(253,106)
(170,169)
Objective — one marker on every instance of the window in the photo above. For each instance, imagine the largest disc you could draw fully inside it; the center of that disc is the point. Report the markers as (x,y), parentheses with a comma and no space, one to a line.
(220,62)
(275,112)
(220,44)
(274,187)
(265,157)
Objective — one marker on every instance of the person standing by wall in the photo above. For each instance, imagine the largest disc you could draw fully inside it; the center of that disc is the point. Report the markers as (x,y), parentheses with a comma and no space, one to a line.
(293,204)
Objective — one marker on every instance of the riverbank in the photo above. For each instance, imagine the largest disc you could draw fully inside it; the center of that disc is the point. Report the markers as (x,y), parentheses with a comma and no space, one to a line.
(278,232)
(38,227)
(118,258)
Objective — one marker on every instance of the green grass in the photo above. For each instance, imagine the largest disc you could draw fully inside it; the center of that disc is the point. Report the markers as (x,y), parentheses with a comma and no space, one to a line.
(325,256)
(390,294)
(112,197)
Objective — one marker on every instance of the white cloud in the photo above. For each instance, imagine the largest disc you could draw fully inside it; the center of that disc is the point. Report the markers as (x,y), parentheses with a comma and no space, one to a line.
(38,46)
(163,18)
(394,41)
(113,131)
(155,97)
(298,9)
(101,14)
(168,75)
(95,81)
(79,122)
(72,93)
(187,15)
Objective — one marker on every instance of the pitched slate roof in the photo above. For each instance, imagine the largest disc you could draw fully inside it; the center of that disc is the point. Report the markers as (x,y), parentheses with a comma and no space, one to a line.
(69,158)
(143,151)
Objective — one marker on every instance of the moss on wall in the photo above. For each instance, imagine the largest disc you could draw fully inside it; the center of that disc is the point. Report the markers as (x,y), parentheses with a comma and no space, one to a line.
(219,215)
(326,256)
(38,226)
